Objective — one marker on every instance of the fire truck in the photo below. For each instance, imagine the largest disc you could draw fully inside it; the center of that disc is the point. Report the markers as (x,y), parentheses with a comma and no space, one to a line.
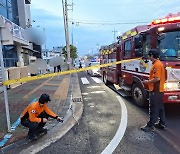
(162,34)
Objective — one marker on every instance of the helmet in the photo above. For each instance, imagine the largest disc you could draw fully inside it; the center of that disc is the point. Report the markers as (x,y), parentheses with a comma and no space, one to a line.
(154,52)
(44,98)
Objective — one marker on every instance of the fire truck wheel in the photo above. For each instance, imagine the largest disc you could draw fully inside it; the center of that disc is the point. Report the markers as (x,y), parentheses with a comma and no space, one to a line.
(105,79)
(138,96)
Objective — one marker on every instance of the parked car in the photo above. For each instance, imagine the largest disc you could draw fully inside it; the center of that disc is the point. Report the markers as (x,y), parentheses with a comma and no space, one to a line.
(95,71)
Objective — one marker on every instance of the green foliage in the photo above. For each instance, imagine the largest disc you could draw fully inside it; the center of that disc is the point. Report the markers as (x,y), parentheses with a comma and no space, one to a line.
(73,52)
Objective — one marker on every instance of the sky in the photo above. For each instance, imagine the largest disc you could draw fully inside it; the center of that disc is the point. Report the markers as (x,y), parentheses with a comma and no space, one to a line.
(95,22)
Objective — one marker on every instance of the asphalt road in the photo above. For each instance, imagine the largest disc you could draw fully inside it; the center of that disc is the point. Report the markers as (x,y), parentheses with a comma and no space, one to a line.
(100,122)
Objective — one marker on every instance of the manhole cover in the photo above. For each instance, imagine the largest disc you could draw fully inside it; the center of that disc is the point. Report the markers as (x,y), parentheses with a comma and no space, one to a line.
(77,99)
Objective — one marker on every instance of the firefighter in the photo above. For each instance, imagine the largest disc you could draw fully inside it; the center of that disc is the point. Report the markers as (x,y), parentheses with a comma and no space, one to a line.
(156,88)
(36,115)
(59,68)
(80,64)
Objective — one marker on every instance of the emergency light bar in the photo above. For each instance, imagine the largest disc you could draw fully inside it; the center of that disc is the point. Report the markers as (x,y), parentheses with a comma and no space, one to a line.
(166,20)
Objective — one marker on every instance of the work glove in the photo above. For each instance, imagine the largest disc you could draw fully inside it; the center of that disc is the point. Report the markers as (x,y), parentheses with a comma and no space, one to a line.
(59,119)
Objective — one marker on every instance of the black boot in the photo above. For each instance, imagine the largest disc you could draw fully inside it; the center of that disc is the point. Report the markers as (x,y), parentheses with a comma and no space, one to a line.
(147,128)
(41,131)
(32,137)
(160,126)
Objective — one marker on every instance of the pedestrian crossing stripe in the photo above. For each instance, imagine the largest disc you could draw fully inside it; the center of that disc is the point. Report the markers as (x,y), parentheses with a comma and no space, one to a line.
(28,79)
(97,80)
(85,80)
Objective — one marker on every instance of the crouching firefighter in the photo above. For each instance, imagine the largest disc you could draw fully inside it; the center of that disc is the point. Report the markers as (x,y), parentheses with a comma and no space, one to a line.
(36,115)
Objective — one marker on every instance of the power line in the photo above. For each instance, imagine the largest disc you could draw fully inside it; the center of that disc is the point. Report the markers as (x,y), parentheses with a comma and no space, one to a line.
(106,21)
(115,23)
(148,11)
(126,4)
(139,15)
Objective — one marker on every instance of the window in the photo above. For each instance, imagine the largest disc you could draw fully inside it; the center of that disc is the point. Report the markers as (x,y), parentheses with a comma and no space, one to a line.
(147,44)
(3,11)
(3,2)
(127,49)
(169,45)
(15,12)
(10,56)
(9,6)
(6,9)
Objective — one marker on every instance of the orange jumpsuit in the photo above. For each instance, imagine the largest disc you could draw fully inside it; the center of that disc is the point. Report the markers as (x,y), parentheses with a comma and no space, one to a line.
(158,71)
(156,94)
(34,110)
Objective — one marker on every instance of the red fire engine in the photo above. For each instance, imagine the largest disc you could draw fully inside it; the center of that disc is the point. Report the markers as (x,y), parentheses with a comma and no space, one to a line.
(162,34)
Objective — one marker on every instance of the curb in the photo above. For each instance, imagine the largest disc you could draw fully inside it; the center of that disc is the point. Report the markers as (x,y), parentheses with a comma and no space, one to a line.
(58,130)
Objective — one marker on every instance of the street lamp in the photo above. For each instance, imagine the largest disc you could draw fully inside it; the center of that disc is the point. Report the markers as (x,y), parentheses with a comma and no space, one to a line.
(114,31)
(44,30)
(97,45)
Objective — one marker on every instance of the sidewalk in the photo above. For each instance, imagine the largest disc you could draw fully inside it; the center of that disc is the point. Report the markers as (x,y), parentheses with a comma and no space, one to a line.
(66,101)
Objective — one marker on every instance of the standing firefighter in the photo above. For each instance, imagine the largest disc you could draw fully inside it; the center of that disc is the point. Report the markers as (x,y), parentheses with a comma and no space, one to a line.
(156,87)
(80,64)
(36,115)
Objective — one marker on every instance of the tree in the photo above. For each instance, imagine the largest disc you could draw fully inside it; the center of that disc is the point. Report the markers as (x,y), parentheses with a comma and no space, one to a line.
(73,52)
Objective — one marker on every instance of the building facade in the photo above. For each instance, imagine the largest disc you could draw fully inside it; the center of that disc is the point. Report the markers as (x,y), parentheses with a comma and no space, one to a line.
(16,16)
(48,54)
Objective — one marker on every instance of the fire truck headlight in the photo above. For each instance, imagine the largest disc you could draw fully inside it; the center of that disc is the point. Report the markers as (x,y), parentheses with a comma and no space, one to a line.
(170,86)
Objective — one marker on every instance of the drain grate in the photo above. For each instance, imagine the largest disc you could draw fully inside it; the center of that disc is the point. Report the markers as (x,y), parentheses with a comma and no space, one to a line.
(77,99)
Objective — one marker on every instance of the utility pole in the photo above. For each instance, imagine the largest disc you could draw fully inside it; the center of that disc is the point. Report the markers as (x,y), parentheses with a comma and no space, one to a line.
(72,24)
(65,15)
(114,31)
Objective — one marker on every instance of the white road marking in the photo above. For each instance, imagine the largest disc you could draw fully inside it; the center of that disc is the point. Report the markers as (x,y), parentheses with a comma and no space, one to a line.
(93,87)
(97,80)
(84,81)
(121,130)
(97,92)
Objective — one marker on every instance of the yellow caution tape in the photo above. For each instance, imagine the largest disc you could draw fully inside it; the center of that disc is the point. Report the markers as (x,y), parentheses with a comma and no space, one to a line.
(27,79)
(145,65)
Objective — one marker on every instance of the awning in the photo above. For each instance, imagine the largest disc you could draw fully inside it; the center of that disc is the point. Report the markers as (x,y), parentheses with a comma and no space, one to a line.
(11,33)
(30,47)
